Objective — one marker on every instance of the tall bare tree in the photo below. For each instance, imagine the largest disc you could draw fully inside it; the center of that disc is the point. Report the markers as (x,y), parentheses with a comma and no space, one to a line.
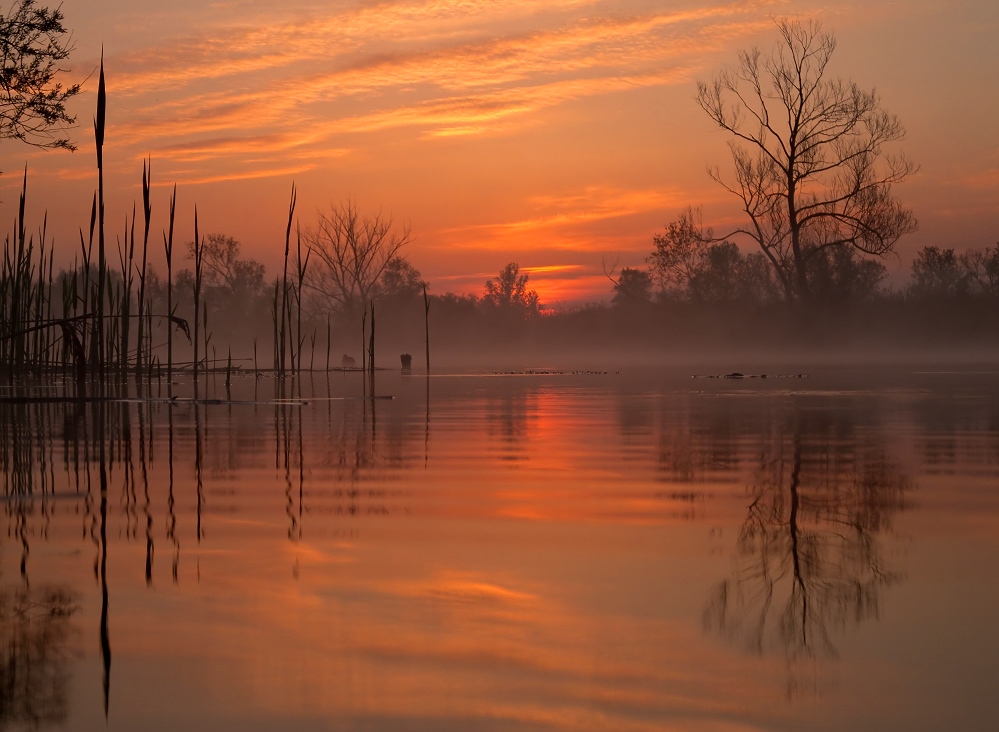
(351,253)
(811,166)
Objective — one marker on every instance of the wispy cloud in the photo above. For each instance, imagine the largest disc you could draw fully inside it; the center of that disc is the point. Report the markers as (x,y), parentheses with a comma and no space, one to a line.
(987,179)
(447,68)
(567,221)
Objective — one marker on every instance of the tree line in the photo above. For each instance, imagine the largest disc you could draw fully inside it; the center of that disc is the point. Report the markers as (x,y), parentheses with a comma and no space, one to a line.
(685,265)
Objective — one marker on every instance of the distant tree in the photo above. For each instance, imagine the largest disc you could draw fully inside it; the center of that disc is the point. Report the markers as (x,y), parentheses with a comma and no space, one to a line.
(718,275)
(937,274)
(509,292)
(400,280)
(811,169)
(32,103)
(352,252)
(841,275)
(225,271)
(689,263)
(757,282)
(633,287)
(981,268)
(455,305)
(233,290)
(677,252)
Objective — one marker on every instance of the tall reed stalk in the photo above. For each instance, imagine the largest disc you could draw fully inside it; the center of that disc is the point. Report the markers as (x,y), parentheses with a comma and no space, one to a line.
(99,123)
(284,278)
(168,250)
(198,250)
(301,265)
(146,217)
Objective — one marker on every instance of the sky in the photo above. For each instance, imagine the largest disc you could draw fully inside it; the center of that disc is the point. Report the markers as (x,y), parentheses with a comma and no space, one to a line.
(558,135)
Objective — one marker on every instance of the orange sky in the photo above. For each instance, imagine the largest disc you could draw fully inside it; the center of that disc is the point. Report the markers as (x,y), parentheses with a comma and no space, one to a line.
(560,135)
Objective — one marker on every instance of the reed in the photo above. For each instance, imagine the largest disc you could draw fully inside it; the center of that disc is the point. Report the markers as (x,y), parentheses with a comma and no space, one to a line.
(275,312)
(301,266)
(371,343)
(168,251)
(284,279)
(207,334)
(146,219)
(426,324)
(198,251)
(126,299)
(99,124)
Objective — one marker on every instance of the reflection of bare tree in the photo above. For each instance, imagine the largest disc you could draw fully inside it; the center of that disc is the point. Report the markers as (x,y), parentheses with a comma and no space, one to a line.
(34,633)
(699,448)
(809,554)
(509,415)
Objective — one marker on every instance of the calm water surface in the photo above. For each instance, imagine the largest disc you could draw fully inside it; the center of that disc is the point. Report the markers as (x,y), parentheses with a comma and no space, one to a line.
(632,551)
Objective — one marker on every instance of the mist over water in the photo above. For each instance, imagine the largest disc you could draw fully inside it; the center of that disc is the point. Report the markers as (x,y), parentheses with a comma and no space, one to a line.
(626,549)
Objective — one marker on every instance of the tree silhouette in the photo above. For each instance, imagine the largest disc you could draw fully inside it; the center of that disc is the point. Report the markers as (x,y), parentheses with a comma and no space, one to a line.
(811,169)
(352,251)
(509,292)
(677,250)
(32,103)
(633,287)
(982,269)
(937,274)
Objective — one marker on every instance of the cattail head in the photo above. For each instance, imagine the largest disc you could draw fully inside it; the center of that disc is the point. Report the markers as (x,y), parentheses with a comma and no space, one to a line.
(100,119)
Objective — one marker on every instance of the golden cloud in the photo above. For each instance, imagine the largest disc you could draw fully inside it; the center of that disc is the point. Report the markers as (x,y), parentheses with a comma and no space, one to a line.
(400,65)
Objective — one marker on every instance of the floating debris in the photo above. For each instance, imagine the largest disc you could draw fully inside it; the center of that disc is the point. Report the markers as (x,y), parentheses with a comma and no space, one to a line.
(739,375)
(552,372)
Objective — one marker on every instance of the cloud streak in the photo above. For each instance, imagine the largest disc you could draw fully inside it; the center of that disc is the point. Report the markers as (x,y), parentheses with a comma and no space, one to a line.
(445,68)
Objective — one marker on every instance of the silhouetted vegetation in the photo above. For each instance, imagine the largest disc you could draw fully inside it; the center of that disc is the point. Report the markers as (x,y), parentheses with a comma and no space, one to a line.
(812,168)
(33,43)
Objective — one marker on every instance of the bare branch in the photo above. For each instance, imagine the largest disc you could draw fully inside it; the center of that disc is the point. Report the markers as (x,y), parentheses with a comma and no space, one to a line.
(811,169)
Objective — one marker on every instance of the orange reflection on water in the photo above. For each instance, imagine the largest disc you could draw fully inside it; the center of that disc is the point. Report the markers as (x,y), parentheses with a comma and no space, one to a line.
(518,554)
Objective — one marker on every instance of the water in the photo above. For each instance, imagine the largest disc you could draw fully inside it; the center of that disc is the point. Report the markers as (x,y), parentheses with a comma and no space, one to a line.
(630,551)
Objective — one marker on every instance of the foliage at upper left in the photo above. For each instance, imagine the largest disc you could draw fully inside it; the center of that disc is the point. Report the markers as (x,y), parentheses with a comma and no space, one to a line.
(33,42)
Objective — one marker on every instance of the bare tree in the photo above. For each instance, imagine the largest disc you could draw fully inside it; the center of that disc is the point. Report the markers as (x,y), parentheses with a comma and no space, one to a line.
(351,253)
(678,250)
(982,269)
(811,168)
(32,104)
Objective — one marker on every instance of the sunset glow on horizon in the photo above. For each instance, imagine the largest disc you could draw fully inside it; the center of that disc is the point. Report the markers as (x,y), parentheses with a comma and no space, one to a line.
(559,135)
